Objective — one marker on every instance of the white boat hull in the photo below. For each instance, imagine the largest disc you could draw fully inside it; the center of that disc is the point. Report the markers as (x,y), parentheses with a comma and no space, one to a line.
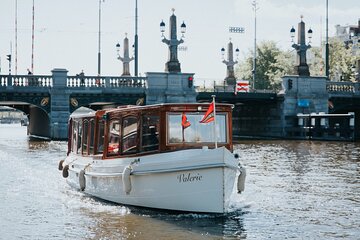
(197,180)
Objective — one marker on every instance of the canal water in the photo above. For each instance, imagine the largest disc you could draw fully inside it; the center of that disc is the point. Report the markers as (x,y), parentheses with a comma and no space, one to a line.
(294,190)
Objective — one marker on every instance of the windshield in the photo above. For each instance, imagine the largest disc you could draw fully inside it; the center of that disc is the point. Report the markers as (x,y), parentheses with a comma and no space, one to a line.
(186,128)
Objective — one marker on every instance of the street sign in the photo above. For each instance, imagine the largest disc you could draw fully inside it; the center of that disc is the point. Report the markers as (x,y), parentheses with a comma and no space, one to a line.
(236,29)
(242,86)
(303,103)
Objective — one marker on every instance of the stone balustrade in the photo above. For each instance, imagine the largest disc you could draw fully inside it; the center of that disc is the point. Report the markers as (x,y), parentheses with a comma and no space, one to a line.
(343,87)
(25,80)
(46,81)
(78,81)
(112,82)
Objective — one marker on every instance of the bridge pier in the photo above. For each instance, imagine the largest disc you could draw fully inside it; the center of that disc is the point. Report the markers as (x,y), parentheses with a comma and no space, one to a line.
(59,105)
(302,95)
(170,88)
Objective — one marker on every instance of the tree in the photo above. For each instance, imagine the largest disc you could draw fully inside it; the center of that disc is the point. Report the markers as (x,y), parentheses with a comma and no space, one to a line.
(341,61)
(316,62)
(271,65)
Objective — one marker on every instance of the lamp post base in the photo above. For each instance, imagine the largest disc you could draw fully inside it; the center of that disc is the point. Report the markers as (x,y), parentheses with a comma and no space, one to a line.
(230,81)
(172,66)
(302,70)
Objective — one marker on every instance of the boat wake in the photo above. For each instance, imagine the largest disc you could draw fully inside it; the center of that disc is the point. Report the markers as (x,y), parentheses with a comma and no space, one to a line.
(228,224)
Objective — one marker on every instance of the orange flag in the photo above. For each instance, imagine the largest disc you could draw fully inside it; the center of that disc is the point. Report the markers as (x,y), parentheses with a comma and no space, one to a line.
(184,122)
(209,115)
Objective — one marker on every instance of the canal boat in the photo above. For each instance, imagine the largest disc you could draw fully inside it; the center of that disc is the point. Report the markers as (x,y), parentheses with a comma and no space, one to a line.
(166,156)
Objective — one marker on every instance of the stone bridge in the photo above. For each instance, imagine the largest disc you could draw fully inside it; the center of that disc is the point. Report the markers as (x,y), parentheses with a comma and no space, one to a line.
(266,114)
(49,100)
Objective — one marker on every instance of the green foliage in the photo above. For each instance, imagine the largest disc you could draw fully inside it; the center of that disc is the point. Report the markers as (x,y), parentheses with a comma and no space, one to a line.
(341,61)
(316,62)
(271,65)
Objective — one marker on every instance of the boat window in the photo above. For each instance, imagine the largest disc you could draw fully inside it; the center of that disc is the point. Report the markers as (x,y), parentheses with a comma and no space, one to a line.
(92,128)
(190,130)
(129,135)
(74,135)
(85,137)
(100,137)
(150,133)
(79,134)
(114,137)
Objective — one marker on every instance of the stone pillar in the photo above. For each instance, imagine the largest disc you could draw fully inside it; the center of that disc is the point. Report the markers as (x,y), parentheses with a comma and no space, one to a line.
(126,59)
(173,64)
(169,88)
(230,73)
(172,86)
(302,69)
(59,105)
(302,95)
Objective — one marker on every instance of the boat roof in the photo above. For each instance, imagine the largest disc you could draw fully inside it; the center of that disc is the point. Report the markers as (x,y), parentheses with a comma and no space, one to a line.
(126,108)
(83,112)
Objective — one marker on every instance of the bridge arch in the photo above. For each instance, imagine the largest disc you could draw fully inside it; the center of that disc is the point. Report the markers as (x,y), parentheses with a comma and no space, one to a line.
(97,102)
(38,117)
(13,114)
(39,122)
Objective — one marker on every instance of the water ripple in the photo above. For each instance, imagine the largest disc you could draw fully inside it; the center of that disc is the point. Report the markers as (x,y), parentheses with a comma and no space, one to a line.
(294,189)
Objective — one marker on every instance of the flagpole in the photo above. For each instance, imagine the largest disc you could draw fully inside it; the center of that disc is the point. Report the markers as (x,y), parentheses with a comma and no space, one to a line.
(215,138)
(183,134)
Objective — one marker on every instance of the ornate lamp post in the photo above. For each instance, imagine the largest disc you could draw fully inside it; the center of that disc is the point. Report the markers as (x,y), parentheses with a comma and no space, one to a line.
(230,74)
(173,64)
(125,59)
(302,69)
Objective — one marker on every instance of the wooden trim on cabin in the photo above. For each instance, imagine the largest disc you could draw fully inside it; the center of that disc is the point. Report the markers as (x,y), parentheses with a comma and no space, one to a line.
(160,110)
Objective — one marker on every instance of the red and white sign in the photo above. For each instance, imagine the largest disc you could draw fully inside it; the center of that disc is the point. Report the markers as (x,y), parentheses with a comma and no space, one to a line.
(242,86)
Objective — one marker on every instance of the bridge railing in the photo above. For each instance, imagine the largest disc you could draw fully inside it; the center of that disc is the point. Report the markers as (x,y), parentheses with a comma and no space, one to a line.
(112,82)
(343,87)
(26,80)
(72,81)
(230,89)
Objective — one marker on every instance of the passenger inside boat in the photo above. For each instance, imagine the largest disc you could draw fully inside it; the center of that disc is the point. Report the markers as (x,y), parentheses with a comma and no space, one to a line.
(100,136)
(150,133)
(114,137)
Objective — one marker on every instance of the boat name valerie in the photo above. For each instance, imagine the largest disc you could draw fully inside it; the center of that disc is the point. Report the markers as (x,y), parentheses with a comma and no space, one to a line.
(189,178)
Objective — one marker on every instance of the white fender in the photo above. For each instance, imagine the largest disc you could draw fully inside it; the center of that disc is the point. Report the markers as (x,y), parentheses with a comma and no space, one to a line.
(61,165)
(126,179)
(82,181)
(241,179)
(65,171)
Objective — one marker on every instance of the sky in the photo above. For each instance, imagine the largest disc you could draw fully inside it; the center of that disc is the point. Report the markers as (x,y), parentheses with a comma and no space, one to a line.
(66,32)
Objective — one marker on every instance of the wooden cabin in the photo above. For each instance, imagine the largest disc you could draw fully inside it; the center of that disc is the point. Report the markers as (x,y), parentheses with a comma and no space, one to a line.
(140,130)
